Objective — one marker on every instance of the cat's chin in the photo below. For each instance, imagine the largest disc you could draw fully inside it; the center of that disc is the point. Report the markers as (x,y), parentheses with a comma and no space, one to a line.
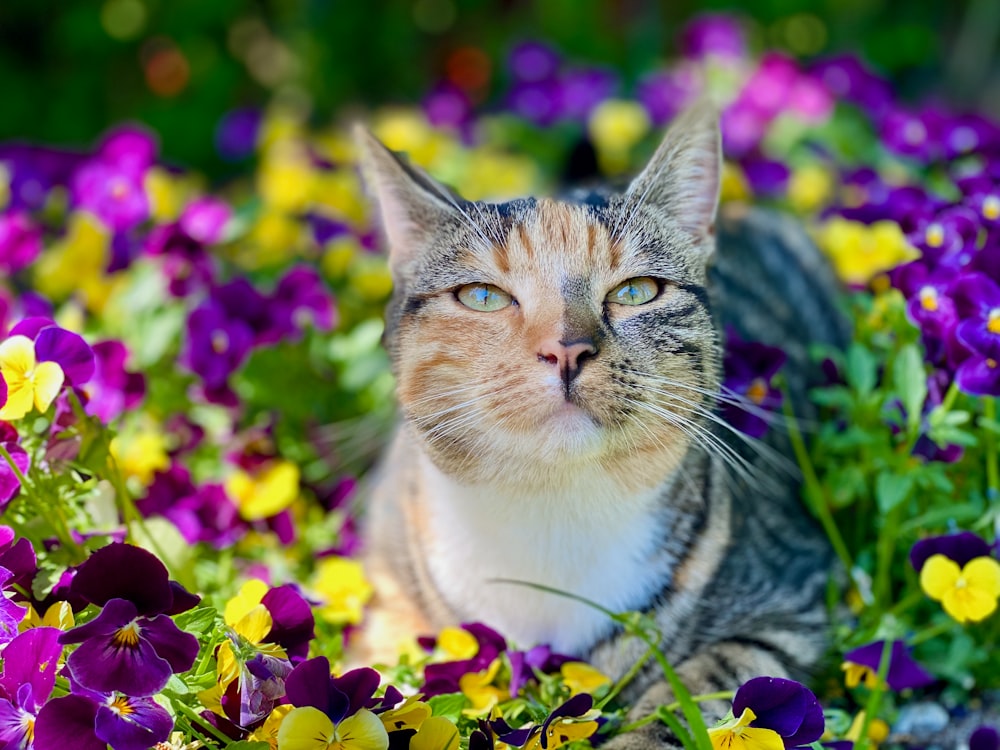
(572,430)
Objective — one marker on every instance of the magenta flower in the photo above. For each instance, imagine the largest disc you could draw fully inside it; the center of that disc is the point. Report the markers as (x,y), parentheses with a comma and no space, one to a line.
(665,93)
(10,485)
(113,389)
(20,241)
(90,720)
(30,663)
(205,219)
(187,264)
(447,106)
(292,622)
(713,35)
(904,672)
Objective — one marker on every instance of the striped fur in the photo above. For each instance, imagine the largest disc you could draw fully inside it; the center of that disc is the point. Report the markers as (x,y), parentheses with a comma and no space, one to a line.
(613,480)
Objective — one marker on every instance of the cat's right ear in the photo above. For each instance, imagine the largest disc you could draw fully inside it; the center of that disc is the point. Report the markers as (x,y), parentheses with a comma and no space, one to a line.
(413,206)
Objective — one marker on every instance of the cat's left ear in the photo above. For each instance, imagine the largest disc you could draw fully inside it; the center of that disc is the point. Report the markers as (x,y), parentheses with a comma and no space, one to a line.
(682,178)
(413,206)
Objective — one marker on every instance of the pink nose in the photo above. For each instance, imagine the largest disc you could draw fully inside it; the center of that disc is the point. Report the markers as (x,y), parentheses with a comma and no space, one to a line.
(568,356)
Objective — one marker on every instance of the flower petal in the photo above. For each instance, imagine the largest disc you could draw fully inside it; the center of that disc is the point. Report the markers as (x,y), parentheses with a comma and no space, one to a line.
(309,684)
(983,574)
(20,397)
(32,658)
(124,571)
(305,728)
(67,349)
(179,648)
(133,723)
(17,356)
(48,381)
(938,576)
(436,733)
(67,722)
(363,731)
(104,665)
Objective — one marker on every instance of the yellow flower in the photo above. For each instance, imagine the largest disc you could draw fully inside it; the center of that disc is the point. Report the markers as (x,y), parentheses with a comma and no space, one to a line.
(308,728)
(274,238)
(265,493)
(855,674)
(59,615)
(338,255)
(878,730)
(582,678)
(286,178)
(737,734)
(29,383)
(615,126)
(733,185)
(268,731)
(458,644)
(342,585)
(246,600)
(860,252)
(436,733)
(969,593)
(141,455)
(371,279)
(478,687)
(561,732)
(77,263)
(167,194)
(410,714)
(809,187)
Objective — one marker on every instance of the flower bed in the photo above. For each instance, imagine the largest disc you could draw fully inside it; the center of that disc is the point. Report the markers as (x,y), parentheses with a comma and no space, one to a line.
(192,385)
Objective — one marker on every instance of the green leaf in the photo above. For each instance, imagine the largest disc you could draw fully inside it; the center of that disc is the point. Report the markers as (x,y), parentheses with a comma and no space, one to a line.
(449,705)
(862,369)
(892,489)
(910,382)
(197,621)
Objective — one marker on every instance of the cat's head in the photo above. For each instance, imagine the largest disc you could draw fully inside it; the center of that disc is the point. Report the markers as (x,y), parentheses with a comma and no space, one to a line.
(537,337)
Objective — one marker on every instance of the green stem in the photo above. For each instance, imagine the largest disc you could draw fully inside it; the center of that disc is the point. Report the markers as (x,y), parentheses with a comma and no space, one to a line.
(626,679)
(675,706)
(193,717)
(814,492)
(949,397)
(875,698)
(885,551)
(14,467)
(990,444)
(934,631)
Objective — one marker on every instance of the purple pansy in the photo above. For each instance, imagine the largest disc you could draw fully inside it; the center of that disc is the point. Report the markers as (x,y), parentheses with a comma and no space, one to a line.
(17,555)
(984,738)
(204,219)
(533,61)
(261,685)
(575,707)
(783,706)
(299,296)
(444,677)
(961,548)
(524,664)
(236,134)
(767,177)
(216,344)
(10,485)
(713,35)
(310,684)
(448,106)
(904,672)
(292,622)
(849,79)
(187,264)
(20,241)
(30,663)
(54,344)
(11,614)
(121,651)
(113,389)
(579,90)
(979,374)
(665,93)
(90,719)
(202,513)
(749,369)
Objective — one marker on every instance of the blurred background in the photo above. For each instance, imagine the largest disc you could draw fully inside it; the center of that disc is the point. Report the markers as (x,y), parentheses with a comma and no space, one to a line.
(186,68)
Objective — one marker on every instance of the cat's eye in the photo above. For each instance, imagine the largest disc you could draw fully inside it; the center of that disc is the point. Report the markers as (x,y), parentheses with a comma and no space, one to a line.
(484,297)
(637,291)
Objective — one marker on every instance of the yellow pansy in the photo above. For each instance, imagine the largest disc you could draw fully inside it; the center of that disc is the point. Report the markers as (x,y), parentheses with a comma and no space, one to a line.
(615,126)
(275,238)
(141,454)
(478,687)
(166,193)
(247,599)
(286,178)
(265,493)
(268,731)
(344,589)
(737,734)
(859,252)
(969,593)
(371,279)
(878,730)
(733,185)
(458,644)
(308,728)
(855,674)
(410,714)
(59,615)
(580,677)
(338,255)
(436,733)
(77,262)
(29,383)
(809,187)
(559,733)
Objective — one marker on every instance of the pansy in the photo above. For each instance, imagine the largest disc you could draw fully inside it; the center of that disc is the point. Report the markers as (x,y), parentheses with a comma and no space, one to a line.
(862,665)
(74,356)
(572,720)
(343,589)
(113,389)
(984,738)
(30,383)
(20,241)
(330,710)
(445,677)
(30,663)
(959,571)
(750,368)
(132,646)
(10,482)
(265,492)
(770,712)
(91,720)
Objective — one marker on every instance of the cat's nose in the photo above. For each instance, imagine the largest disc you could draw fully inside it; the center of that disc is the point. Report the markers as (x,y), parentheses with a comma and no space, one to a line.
(568,356)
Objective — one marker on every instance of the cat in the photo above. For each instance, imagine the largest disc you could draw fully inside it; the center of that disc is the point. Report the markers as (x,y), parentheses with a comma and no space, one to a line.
(558,370)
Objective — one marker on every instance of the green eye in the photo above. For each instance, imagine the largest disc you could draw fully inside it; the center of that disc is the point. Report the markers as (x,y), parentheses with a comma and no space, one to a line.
(637,291)
(484,297)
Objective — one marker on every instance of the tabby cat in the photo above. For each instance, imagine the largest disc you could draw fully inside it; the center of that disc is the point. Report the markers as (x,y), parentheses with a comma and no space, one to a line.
(558,372)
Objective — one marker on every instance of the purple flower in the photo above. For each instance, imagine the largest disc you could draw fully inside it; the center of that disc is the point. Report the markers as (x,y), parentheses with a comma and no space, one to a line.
(217,344)
(202,514)
(292,622)
(261,685)
(743,126)
(11,614)
(904,672)
(121,651)
(236,134)
(783,706)
(961,548)
(54,344)
(444,677)
(665,93)
(20,241)
(300,295)
(767,177)
(575,707)
(115,197)
(10,485)
(978,295)
(35,171)
(17,555)
(533,61)
(310,684)
(535,101)
(448,106)
(579,91)
(713,35)
(90,720)
(113,389)
(984,738)
(749,369)
(848,78)
(523,665)
(30,663)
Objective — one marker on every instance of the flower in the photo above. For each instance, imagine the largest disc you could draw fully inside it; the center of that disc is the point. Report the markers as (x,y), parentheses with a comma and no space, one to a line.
(863,664)
(113,389)
(445,677)
(580,677)
(87,720)
(266,492)
(860,252)
(771,712)
(750,368)
(10,483)
(984,738)
(30,383)
(20,241)
(30,663)
(341,585)
(569,721)
(959,571)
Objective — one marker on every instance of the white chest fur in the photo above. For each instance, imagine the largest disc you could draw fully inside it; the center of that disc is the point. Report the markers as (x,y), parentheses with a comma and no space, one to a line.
(584,539)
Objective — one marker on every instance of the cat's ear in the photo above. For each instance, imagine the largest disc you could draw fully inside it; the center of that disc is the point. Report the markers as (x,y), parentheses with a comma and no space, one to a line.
(413,206)
(682,178)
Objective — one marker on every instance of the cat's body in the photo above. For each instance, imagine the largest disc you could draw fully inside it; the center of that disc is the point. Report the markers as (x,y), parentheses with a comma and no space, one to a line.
(558,431)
